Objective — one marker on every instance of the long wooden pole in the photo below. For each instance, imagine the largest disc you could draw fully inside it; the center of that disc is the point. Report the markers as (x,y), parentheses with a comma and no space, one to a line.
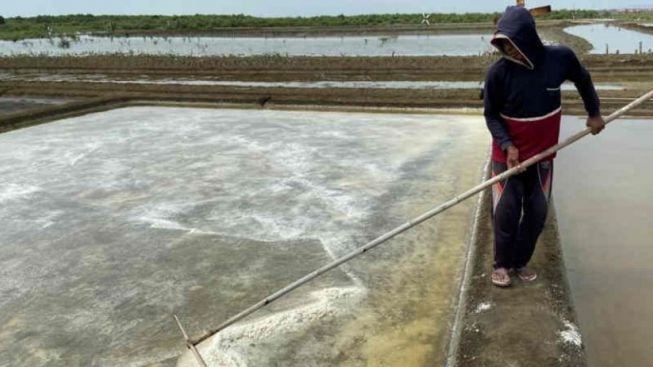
(189,345)
(411,223)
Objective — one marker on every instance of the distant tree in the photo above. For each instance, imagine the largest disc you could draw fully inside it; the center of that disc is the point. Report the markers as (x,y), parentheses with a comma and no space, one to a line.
(2,20)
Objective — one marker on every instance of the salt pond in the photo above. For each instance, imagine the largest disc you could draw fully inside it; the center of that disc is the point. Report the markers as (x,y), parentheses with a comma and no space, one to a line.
(402,45)
(114,221)
(603,202)
(616,38)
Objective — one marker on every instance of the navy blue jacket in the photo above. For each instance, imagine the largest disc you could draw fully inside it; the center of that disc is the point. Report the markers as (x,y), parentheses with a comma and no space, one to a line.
(531,88)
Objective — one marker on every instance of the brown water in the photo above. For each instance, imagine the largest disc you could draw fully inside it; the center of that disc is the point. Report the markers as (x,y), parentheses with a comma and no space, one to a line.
(603,200)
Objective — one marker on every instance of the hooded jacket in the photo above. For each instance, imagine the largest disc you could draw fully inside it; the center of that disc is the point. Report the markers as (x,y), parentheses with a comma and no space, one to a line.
(522,98)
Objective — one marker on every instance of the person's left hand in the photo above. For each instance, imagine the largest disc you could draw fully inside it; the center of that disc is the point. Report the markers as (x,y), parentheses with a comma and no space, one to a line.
(596,124)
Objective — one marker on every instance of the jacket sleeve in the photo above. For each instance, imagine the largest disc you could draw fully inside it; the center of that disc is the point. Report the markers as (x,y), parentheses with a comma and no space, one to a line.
(493,99)
(577,73)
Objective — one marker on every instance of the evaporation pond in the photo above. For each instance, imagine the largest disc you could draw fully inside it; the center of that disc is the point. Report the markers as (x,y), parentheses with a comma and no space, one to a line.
(115,221)
(402,45)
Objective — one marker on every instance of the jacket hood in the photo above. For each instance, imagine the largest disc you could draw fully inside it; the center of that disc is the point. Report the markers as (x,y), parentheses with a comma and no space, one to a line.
(518,27)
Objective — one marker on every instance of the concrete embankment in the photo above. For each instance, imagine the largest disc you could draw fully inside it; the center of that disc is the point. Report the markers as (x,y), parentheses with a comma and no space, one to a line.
(528,324)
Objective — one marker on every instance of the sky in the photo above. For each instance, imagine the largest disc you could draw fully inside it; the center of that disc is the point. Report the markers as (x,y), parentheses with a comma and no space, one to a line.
(276,8)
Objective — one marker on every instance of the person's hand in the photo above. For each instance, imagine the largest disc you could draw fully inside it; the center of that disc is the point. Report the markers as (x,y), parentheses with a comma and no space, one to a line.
(596,124)
(512,156)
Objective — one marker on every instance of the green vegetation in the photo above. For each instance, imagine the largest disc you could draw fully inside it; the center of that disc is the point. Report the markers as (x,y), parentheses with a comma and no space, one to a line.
(48,26)
(19,28)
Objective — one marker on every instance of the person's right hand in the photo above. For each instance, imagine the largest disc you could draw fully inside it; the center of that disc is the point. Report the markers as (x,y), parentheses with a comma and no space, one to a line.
(512,156)
(596,124)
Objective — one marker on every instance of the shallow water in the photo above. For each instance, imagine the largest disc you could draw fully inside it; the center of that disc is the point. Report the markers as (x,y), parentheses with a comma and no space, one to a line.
(402,45)
(617,39)
(603,202)
(112,222)
(391,84)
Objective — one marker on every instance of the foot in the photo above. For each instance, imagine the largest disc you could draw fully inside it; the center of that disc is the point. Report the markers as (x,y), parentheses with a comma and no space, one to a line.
(526,274)
(500,277)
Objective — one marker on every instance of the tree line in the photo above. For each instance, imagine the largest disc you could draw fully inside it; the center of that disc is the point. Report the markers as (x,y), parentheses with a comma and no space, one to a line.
(45,25)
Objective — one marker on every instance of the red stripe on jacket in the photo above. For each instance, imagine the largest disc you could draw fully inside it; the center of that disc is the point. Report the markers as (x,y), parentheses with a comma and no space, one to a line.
(530,135)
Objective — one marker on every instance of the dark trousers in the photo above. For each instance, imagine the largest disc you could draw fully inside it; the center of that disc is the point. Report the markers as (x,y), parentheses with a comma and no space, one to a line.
(520,205)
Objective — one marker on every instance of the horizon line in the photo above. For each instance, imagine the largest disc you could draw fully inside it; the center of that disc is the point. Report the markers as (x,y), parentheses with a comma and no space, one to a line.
(635,8)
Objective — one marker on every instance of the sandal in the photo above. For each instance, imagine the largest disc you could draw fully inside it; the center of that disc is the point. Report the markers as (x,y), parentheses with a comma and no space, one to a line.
(526,274)
(500,278)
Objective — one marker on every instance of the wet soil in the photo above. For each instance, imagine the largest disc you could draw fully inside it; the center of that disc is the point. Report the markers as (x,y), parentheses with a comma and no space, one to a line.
(629,71)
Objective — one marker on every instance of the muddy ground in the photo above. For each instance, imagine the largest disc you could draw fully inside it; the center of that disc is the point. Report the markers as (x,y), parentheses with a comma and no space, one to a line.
(630,71)
(637,27)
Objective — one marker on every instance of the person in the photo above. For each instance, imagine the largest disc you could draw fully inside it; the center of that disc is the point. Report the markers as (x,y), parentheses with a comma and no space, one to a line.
(522,108)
